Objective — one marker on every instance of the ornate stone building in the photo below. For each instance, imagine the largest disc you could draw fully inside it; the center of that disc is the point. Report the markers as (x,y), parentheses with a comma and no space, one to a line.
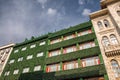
(106,23)
(4,55)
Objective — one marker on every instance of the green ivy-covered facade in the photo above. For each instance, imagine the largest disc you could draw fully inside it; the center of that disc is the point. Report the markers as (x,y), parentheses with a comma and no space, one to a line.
(43,44)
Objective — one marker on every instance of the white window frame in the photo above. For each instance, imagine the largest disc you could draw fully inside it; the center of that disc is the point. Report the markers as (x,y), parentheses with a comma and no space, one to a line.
(70,65)
(54,53)
(25,70)
(7,73)
(42,43)
(70,49)
(12,61)
(37,68)
(55,41)
(33,46)
(40,54)
(69,37)
(23,49)
(20,59)
(16,71)
(53,68)
(15,51)
(91,61)
(29,57)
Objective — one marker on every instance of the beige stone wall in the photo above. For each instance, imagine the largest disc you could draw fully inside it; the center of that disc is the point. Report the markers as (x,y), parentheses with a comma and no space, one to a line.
(110,14)
(5,52)
(113,11)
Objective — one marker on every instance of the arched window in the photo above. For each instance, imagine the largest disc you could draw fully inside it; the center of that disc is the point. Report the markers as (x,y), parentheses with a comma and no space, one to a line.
(99,23)
(118,12)
(105,41)
(113,39)
(115,68)
(106,23)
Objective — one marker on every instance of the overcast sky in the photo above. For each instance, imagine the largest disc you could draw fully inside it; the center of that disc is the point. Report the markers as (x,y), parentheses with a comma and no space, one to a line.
(20,19)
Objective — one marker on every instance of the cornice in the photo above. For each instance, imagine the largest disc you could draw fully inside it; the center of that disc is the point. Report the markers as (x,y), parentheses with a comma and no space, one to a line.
(104,3)
(7,46)
(98,13)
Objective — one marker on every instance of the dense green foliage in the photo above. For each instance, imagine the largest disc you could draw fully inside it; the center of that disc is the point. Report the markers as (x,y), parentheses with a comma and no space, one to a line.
(67,74)
(97,70)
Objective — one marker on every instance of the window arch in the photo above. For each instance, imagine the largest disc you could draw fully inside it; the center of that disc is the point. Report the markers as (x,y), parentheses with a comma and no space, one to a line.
(106,23)
(118,12)
(115,68)
(105,41)
(99,23)
(113,39)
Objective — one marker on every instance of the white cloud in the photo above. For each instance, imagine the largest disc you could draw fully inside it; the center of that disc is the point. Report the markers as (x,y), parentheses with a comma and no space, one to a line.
(51,11)
(42,2)
(81,2)
(86,12)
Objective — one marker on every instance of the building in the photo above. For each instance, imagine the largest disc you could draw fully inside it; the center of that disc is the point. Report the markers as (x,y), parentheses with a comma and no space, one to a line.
(107,28)
(5,52)
(69,54)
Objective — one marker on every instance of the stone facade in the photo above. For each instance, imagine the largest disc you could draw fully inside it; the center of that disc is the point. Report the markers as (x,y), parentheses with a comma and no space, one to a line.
(106,23)
(4,55)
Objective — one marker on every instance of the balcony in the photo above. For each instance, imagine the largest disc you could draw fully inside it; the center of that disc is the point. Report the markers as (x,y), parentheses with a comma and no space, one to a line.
(96,70)
(112,50)
(74,55)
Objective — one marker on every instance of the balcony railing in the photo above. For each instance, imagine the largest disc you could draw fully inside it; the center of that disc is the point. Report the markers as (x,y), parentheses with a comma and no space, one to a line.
(112,50)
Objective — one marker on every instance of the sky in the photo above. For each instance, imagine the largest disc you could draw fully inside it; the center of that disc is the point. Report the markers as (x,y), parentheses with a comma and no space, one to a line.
(20,19)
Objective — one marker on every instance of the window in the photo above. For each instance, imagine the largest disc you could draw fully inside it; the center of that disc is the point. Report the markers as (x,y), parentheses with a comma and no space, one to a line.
(99,23)
(55,41)
(7,73)
(116,68)
(69,49)
(16,71)
(87,45)
(23,49)
(70,65)
(25,70)
(69,37)
(40,54)
(52,68)
(8,50)
(32,46)
(11,61)
(16,51)
(113,39)
(118,12)
(84,32)
(2,52)
(54,53)
(37,68)
(105,41)
(20,59)
(90,61)
(42,43)
(106,23)
(29,57)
